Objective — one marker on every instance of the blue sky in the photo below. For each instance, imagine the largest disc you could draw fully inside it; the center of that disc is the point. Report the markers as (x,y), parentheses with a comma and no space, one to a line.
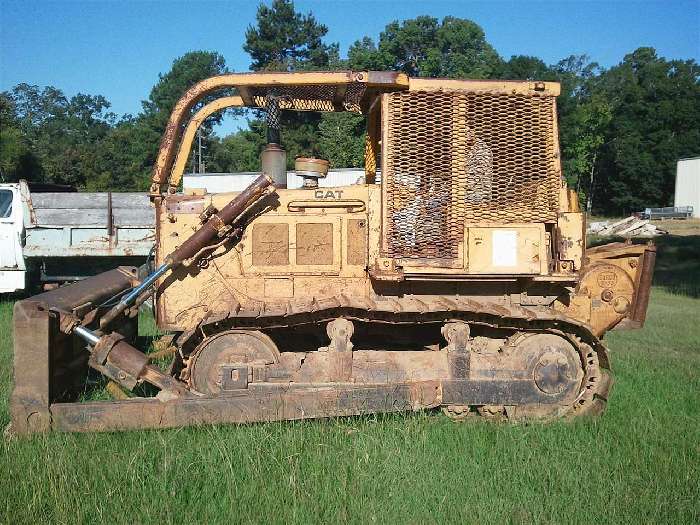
(117,49)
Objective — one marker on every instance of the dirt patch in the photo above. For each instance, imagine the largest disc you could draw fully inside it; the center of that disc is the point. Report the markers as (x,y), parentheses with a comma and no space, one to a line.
(679,227)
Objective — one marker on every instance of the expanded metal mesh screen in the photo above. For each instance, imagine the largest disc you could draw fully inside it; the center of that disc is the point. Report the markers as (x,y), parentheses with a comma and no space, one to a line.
(322,97)
(456,157)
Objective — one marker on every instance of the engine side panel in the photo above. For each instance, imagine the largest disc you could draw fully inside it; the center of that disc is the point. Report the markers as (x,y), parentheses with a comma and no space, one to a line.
(311,245)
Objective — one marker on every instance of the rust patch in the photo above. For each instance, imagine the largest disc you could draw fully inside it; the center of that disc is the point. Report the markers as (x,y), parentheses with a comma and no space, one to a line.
(184,204)
(643,286)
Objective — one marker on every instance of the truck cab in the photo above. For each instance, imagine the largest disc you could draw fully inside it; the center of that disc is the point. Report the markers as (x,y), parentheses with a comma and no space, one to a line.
(13,268)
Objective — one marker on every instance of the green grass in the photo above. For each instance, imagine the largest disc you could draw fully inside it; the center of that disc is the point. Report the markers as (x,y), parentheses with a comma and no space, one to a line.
(639,463)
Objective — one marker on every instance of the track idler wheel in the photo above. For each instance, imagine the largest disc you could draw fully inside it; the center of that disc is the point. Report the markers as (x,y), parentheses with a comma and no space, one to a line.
(230,360)
(555,365)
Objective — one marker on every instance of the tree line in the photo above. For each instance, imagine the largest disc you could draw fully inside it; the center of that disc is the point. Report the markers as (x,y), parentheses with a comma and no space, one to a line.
(622,129)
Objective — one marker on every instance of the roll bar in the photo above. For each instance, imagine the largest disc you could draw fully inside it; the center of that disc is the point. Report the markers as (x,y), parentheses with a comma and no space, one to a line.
(245,84)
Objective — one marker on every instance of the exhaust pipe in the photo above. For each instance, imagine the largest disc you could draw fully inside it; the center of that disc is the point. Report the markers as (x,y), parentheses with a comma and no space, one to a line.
(273,158)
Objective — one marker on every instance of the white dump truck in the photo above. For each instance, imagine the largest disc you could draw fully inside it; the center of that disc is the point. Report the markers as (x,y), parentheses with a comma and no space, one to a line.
(51,237)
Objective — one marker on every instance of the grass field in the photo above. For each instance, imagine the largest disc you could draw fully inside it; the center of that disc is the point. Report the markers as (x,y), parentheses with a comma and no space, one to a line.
(639,463)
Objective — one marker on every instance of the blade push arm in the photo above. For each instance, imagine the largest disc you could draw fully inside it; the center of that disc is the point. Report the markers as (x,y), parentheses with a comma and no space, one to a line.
(118,360)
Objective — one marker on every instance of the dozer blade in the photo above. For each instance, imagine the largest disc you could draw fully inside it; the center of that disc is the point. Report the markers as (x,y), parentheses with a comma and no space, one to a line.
(50,366)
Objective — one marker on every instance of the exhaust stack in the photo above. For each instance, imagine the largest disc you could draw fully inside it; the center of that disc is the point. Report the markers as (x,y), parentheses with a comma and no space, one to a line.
(273,159)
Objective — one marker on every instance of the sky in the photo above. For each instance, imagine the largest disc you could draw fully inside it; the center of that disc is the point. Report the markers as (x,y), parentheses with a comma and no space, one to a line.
(118,48)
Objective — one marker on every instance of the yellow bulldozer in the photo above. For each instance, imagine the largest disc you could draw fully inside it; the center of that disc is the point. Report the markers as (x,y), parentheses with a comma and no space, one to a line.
(454,276)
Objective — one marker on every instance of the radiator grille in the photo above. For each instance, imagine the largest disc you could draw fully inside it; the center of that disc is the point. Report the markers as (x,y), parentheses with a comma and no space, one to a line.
(456,157)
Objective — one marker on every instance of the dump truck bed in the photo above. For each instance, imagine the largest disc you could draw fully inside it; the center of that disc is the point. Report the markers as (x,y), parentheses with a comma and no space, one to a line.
(88,224)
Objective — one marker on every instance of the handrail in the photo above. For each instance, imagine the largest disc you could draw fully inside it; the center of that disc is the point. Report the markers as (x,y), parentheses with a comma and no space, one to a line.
(351,205)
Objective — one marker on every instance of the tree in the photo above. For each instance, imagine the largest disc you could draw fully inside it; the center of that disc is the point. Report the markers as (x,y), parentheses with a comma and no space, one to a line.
(16,158)
(522,67)
(46,136)
(285,40)
(364,55)
(185,72)
(51,137)
(590,120)
(239,151)
(342,139)
(582,121)
(423,46)
(132,146)
(420,47)
(655,106)
(577,74)
(127,156)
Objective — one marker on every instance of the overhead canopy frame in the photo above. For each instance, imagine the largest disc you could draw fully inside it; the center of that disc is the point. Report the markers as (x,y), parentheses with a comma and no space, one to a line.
(314,91)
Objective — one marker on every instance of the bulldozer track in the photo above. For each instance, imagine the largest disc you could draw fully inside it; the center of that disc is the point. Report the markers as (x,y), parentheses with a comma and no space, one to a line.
(410,310)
